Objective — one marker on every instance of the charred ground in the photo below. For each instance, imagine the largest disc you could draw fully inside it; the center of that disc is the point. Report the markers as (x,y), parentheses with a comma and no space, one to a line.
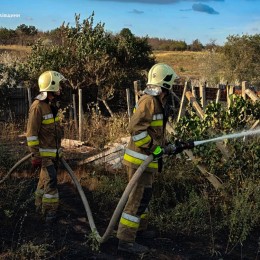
(24,234)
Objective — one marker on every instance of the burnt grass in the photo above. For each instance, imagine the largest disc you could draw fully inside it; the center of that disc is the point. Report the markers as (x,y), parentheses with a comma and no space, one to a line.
(25,235)
(67,238)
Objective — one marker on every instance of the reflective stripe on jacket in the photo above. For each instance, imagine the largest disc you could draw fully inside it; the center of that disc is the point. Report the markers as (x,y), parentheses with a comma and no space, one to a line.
(43,130)
(147,131)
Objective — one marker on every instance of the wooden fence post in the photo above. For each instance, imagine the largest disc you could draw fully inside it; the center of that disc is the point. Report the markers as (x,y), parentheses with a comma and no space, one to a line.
(218,94)
(244,88)
(231,90)
(129,105)
(228,99)
(107,107)
(195,104)
(203,95)
(201,114)
(137,88)
(75,111)
(252,95)
(29,93)
(257,122)
(183,103)
(193,90)
(80,115)
(70,114)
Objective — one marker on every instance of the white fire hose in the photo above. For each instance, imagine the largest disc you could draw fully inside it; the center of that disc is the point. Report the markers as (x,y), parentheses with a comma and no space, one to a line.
(120,205)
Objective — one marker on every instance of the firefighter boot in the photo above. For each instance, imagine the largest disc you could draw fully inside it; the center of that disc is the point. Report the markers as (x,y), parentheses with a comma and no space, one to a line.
(49,211)
(132,247)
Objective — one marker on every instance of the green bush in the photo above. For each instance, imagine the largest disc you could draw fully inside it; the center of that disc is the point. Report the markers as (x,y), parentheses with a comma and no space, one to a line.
(189,204)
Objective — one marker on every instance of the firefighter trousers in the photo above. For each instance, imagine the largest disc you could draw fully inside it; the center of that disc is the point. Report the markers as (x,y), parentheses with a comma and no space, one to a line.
(135,214)
(46,194)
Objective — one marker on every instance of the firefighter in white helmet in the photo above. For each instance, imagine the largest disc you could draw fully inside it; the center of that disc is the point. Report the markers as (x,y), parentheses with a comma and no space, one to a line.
(44,141)
(147,129)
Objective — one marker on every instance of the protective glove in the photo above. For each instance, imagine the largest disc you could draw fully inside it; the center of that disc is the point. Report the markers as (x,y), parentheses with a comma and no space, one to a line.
(158,152)
(178,147)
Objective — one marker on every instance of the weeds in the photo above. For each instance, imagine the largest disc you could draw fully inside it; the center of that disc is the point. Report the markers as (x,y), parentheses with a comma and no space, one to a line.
(109,191)
(31,251)
(189,217)
(183,202)
(244,214)
(93,242)
(96,126)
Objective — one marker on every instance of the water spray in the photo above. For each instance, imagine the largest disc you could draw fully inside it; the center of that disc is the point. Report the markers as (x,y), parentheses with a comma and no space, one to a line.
(229,136)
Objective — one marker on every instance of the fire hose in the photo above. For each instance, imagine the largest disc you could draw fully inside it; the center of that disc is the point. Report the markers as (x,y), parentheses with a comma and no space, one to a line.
(25,158)
(131,184)
(117,213)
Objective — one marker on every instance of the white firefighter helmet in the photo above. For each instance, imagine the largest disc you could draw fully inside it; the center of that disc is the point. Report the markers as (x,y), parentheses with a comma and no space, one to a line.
(161,75)
(49,81)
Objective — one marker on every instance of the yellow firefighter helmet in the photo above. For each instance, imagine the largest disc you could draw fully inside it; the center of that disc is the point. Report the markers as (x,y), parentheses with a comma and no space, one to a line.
(161,75)
(50,81)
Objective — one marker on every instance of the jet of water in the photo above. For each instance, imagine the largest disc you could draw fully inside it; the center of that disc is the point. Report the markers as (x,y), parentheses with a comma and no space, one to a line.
(229,136)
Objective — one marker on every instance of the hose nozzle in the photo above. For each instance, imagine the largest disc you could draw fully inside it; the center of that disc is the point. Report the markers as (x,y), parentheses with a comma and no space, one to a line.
(178,147)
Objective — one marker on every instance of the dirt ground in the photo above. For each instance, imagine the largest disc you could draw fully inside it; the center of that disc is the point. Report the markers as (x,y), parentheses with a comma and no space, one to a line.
(24,235)
(67,238)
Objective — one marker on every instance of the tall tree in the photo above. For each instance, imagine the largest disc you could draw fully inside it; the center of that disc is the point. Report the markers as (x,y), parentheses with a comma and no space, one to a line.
(242,60)
(196,45)
(7,36)
(91,57)
(27,30)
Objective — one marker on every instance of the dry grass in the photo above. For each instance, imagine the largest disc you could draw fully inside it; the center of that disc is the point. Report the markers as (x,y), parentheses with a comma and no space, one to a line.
(16,51)
(186,64)
(19,48)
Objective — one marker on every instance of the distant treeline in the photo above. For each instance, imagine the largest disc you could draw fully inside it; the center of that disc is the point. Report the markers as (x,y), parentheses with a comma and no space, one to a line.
(28,35)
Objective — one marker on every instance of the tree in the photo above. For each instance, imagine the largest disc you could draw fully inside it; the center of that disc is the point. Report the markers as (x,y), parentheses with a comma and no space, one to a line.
(211,66)
(134,52)
(179,46)
(26,34)
(241,58)
(7,36)
(27,30)
(91,57)
(196,45)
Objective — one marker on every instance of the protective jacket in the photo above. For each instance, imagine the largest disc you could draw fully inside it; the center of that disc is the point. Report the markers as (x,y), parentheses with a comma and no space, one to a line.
(147,132)
(44,141)
(43,130)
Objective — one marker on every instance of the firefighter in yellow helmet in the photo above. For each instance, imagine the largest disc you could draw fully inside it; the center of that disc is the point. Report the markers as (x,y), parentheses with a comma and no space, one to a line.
(44,141)
(147,129)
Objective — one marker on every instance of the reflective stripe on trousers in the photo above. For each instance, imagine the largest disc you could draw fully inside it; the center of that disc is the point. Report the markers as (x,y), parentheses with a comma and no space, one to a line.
(49,198)
(47,187)
(130,220)
(32,141)
(134,215)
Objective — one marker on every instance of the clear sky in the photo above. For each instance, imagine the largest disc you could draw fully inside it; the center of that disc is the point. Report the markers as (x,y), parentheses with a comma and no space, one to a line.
(185,20)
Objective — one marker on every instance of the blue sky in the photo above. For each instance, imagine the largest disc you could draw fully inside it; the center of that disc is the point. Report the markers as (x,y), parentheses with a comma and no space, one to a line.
(185,20)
